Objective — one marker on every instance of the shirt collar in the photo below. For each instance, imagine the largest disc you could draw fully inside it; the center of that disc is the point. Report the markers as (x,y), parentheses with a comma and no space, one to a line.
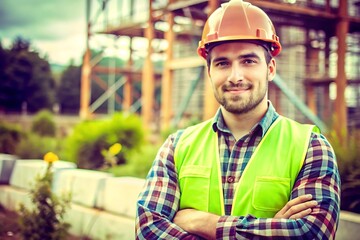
(264,124)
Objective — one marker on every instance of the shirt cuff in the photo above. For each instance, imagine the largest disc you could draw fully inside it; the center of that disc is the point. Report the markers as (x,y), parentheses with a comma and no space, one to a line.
(226,227)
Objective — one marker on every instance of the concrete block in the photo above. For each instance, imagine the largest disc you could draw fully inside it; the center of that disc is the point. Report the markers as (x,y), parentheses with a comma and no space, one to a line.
(11,198)
(7,163)
(112,227)
(120,195)
(26,171)
(85,186)
(82,219)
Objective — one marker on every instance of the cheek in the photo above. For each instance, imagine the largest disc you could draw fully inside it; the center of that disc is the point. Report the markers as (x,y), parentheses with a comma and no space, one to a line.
(217,83)
(219,75)
(215,78)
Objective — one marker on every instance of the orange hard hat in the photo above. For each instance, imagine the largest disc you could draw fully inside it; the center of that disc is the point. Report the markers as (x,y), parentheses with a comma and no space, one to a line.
(239,20)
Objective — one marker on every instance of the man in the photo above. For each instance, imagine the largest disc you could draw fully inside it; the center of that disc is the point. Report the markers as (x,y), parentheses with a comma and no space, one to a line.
(248,173)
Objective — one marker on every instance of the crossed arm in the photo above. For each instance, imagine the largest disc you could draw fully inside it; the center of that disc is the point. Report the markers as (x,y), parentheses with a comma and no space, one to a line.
(158,216)
(193,222)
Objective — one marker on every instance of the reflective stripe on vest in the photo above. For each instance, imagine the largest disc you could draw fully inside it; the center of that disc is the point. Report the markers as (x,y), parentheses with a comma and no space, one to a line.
(266,183)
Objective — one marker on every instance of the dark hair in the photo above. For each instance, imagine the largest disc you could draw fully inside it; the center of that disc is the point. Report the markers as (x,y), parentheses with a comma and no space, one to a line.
(266,46)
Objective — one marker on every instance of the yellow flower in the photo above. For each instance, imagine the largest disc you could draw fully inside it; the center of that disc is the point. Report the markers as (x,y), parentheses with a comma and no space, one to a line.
(115,149)
(50,157)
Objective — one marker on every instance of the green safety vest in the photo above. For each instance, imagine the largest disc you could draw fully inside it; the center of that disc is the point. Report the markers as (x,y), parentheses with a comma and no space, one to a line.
(267,181)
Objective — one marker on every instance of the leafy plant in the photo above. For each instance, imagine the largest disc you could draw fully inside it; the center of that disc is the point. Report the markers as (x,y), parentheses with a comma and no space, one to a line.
(44,124)
(45,219)
(138,164)
(10,135)
(90,138)
(110,159)
(34,146)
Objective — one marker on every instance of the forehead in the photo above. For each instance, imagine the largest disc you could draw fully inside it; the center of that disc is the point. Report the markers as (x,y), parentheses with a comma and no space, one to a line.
(236,48)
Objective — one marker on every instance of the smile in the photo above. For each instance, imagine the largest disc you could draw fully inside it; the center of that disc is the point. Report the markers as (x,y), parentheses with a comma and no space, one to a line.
(237,89)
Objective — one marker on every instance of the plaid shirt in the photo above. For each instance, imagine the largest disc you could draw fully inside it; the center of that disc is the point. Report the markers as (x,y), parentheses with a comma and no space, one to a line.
(159,202)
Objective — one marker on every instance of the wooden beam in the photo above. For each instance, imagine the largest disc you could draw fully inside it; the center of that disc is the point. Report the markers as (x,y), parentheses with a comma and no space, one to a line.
(290,9)
(85,86)
(123,70)
(148,86)
(186,62)
(210,103)
(341,80)
(127,70)
(327,103)
(166,86)
(128,87)
(180,5)
(327,81)
(311,98)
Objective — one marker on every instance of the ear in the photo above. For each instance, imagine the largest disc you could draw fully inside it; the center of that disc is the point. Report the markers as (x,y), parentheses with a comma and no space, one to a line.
(271,69)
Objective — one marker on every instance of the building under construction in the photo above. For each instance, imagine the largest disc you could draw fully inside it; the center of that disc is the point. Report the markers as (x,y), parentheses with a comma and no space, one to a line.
(162,78)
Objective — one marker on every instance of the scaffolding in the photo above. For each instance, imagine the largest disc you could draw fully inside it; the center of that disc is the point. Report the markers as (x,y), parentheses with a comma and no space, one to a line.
(163,79)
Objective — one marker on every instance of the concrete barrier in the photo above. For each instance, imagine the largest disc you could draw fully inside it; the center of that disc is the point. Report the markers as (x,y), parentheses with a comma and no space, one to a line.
(85,186)
(7,163)
(12,197)
(111,226)
(102,206)
(120,194)
(26,171)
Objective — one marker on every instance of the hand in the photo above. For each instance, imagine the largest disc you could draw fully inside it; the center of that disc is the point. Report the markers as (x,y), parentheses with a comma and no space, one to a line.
(197,222)
(297,208)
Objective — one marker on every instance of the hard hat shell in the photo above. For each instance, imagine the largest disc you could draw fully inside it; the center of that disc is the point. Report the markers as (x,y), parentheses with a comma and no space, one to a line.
(239,20)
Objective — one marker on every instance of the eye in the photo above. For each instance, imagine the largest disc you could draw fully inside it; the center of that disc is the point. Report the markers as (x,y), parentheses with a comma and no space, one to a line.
(249,61)
(222,64)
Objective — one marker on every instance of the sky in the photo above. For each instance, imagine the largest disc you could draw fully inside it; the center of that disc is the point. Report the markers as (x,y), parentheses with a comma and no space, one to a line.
(56,28)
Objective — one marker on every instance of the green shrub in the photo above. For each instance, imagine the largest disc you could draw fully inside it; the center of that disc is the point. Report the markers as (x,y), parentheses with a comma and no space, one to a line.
(34,146)
(348,159)
(85,145)
(45,220)
(44,124)
(10,135)
(138,164)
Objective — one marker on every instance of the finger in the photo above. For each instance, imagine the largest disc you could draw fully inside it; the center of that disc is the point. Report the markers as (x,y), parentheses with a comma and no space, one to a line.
(297,201)
(299,208)
(293,202)
(301,214)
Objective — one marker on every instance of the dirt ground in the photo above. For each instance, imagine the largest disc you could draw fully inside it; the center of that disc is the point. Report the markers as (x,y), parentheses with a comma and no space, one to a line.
(9,227)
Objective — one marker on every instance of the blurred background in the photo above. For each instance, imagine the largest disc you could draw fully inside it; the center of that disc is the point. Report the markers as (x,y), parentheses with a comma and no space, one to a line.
(98,57)
(78,75)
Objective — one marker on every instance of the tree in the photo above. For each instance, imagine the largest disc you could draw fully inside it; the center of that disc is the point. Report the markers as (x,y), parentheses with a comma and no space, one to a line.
(68,92)
(5,86)
(26,79)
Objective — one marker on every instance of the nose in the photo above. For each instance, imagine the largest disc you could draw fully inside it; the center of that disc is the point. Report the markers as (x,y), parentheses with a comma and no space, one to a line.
(236,74)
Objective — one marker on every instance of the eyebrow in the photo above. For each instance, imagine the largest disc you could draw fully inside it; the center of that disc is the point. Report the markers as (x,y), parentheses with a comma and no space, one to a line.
(243,56)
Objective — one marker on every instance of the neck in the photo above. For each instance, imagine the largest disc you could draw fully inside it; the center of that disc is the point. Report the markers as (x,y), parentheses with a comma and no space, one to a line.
(241,124)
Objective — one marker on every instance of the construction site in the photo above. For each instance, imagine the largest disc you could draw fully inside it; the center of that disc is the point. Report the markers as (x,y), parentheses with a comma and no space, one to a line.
(164,80)
(141,57)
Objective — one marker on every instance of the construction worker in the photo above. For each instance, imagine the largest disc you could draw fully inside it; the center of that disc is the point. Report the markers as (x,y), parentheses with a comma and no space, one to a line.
(248,173)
